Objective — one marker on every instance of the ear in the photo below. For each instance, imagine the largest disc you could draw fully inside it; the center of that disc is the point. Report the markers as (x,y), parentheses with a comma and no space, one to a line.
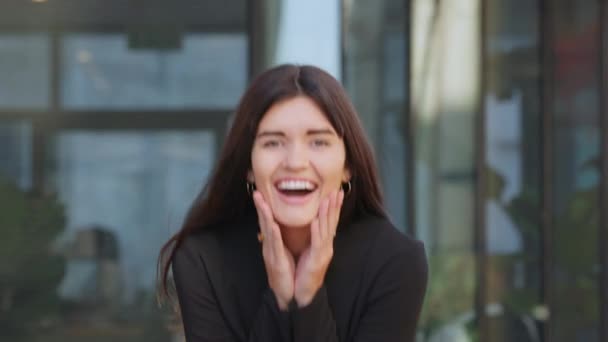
(250,177)
(346,176)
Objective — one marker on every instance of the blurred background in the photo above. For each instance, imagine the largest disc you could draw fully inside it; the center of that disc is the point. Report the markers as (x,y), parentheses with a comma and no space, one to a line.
(489,119)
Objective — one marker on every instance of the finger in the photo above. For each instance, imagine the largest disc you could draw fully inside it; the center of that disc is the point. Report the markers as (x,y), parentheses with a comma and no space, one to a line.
(331,215)
(336,207)
(268,222)
(263,212)
(270,226)
(315,234)
(323,212)
(258,208)
(337,210)
(277,241)
(258,200)
(327,217)
(340,204)
(267,213)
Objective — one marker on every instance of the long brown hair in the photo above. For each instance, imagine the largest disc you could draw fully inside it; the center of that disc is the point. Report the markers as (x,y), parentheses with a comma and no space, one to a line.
(225,197)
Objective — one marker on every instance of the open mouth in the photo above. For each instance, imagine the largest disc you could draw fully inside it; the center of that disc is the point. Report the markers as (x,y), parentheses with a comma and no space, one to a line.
(295,188)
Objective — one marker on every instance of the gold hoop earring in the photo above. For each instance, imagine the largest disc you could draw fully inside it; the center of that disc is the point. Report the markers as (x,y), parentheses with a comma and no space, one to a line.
(347,187)
(250,188)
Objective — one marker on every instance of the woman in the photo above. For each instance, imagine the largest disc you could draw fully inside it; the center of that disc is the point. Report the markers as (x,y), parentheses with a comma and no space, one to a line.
(289,240)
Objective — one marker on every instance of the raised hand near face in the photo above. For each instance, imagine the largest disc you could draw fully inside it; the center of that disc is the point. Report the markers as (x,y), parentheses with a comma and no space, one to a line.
(278,260)
(302,281)
(313,263)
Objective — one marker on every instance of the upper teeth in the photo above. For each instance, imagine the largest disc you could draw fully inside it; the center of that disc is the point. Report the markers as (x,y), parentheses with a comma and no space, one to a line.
(296,185)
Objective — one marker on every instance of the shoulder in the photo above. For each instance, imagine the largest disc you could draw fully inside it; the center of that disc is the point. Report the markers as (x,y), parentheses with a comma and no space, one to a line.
(385,239)
(210,244)
(191,250)
(390,249)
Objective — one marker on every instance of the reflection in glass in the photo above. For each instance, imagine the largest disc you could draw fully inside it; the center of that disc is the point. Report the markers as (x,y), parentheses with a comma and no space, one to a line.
(30,268)
(302,32)
(445,93)
(382,112)
(575,273)
(24,70)
(124,194)
(16,154)
(101,71)
(512,203)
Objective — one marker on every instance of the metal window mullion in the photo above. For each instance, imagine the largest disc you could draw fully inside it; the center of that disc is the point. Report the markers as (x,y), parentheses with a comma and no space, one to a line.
(55,55)
(480,176)
(410,148)
(547,110)
(342,22)
(255,37)
(41,131)
(603,183)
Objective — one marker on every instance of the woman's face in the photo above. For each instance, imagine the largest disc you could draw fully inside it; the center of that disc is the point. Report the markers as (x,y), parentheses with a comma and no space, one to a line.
(297,160)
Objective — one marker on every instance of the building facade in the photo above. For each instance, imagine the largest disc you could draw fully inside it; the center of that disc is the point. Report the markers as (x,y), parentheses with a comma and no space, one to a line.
(489,120)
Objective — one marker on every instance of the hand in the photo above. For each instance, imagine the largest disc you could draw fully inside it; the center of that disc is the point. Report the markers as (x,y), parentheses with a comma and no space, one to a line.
(278,260)
(313,263)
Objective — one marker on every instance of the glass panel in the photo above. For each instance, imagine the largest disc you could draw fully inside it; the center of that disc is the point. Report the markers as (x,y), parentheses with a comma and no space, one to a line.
(101,71)
(380,26)
(120,196)
(16,154)
(302,32)
(25,70)
(445,96)
(576,269)
(512,203)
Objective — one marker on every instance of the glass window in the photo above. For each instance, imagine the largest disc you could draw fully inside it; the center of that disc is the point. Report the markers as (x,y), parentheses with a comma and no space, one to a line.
(16,153)
(444,103)
(102,71)
(576,146)
(382,110)
(25,70)
(302,32)
(514,307)
(90,254)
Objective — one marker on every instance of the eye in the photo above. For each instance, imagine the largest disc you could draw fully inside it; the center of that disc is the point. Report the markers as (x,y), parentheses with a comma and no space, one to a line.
(320,142)
(271,143)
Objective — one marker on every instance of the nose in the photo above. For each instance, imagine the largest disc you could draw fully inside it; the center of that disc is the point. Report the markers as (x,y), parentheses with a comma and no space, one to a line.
(296,157)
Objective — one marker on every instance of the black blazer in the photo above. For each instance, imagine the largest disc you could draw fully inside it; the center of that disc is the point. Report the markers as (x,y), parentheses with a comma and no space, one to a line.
(373,290)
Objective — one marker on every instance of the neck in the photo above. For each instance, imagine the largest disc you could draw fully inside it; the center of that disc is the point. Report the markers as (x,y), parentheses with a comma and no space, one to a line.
(296,240)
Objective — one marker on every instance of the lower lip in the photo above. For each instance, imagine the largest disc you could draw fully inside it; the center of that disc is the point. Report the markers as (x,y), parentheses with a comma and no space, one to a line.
(295,200)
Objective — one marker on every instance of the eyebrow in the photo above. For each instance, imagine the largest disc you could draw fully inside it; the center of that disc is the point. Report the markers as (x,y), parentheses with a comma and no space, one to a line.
(308,132)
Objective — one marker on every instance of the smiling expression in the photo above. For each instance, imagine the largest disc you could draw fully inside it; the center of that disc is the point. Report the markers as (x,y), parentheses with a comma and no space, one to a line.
(297,160)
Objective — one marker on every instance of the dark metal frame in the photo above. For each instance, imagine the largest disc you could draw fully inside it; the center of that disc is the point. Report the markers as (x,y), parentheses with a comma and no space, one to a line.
(120,28)
(481,182)
(342,40)
(257,43)
(547,110)
(410,141)
(603,183)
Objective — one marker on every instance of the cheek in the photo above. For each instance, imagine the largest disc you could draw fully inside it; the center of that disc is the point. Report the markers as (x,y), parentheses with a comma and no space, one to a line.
(331,169)
(263,165)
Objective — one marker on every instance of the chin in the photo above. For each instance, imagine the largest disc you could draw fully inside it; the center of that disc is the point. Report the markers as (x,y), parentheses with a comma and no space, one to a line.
(295,220)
